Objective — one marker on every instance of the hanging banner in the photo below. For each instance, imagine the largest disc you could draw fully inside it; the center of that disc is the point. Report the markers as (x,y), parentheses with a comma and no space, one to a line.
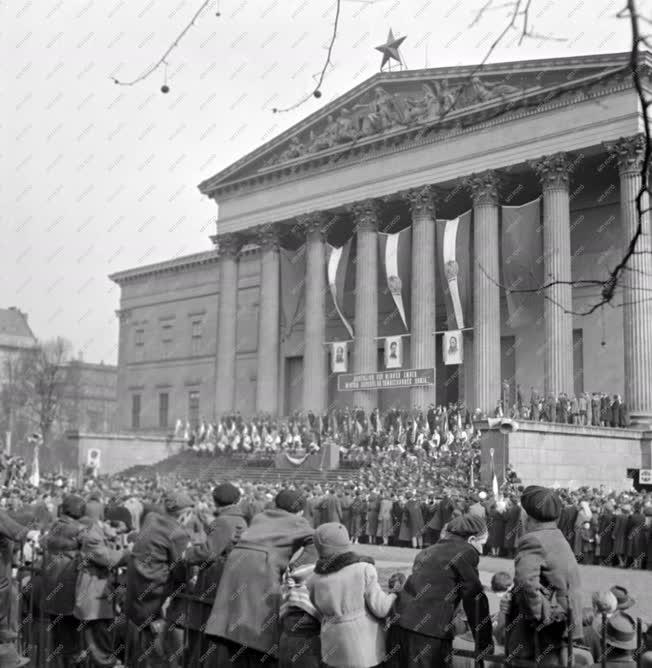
(339,357)
(522,254)
(338,261)
(453,256)
(453,347)
(395,255)
(293,285)
(393,352)
(380,380)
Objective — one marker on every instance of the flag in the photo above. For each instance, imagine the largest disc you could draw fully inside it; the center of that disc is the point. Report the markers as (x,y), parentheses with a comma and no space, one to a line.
(178,428)
(453,257)
(395,255)
(494,480)
(337,263)
(293,277)
(522,253)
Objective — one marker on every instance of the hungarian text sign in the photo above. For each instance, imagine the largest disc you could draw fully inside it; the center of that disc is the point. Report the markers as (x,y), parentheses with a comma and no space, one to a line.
(385,379)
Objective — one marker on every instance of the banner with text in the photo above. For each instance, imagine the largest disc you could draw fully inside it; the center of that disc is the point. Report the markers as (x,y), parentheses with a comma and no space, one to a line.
(385,379)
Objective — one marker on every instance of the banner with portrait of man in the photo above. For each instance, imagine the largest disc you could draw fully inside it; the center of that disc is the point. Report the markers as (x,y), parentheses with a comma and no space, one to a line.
(339,356)
(453,346)
(393,352)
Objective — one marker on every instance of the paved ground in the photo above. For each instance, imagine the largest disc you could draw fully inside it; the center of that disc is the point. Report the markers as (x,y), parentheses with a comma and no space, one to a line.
(639,583)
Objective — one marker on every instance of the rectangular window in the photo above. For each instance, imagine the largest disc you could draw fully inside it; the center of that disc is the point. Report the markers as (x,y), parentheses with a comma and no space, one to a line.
(135,411)
(166,340)
(193,408)
(139,338)
(163,407)
(196,334)
(93,420)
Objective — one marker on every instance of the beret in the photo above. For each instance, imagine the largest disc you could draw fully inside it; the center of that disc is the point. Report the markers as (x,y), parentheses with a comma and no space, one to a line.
(226,494)
(541,503)
(290,500)
(467,525)
(73,506)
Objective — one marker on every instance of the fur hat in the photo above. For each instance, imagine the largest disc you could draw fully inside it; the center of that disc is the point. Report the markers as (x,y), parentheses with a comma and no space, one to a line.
(226,494)
(541,503)
(73,506)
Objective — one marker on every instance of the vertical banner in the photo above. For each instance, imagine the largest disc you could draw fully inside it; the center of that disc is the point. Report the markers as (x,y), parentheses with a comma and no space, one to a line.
(339,357)
(393,352)
(293,286)
(522,257)
(454,255)
(337,263)
(395,252)
(453,347)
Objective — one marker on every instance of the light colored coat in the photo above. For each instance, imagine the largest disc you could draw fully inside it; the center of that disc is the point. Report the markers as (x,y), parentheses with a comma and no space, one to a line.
(352,605)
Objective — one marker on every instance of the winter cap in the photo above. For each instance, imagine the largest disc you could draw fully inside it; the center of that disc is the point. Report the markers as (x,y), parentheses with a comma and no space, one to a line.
(541,503)
(467,525)
(226,494)
(73,506)
(177,501)
(331,539)
(290,500)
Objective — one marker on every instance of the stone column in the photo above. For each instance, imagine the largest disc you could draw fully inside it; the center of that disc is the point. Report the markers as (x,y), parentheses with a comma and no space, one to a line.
(365,352)
(227,321)
(267,388)
(315,378)
(636,281)
(486,291)
(554,172)
(422,340)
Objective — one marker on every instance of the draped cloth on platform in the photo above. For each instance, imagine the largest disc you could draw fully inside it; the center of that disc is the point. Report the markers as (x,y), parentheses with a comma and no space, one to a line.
(337,263)
(293,288)
(454,255)
(522,254)
(395,256)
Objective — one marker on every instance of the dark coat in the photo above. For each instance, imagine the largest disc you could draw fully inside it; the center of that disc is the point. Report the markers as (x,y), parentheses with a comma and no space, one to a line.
(620,534)
(60,565)
(414,518)
(566,523)
(496,527)
(331,509)
(246,606)
(444,575)
(10,532)
(636,536)
(513,528)
(158,548)
(546,582)
(442,514)
(606,524)
(95,591)
(373,507)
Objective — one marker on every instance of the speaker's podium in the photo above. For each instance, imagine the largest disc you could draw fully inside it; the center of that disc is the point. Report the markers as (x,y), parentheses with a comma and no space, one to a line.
(326,459)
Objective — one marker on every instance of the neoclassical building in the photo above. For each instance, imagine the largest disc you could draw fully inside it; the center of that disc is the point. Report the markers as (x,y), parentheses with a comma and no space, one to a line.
(418,203)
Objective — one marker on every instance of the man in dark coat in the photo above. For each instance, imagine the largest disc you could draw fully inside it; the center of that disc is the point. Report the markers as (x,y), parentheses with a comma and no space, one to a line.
(245,611)
(60,565)
(606,525)
(421,635)
(547,592)
(566,522)
(157,550)
(331,509)
(432,418)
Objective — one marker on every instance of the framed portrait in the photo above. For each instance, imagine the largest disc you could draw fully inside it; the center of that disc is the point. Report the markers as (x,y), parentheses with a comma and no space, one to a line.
(393,352)
(339,356)
(453,347)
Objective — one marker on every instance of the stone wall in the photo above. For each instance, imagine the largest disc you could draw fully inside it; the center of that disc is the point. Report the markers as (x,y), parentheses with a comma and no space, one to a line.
(122,451)
(566,455)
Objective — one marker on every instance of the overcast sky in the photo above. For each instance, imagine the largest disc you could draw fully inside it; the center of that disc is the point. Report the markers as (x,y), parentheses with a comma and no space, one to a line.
(98,178)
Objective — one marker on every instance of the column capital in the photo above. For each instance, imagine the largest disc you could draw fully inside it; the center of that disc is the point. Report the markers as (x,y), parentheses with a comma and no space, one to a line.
(483,187)
(267,237)
(366,214)
(630,152)
(228,245)
(315,221)
(553,170)
(421,200)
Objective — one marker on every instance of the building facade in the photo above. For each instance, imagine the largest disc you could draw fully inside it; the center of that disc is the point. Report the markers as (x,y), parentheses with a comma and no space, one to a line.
(224,330)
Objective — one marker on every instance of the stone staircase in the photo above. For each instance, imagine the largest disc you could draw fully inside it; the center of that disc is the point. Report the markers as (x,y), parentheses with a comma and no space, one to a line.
(190,465)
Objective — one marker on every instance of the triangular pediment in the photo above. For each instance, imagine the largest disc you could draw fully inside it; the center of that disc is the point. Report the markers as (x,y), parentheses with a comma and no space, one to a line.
(390,105)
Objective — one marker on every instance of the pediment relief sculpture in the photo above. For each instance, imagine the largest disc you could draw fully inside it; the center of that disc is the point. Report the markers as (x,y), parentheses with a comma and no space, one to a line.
(385,111)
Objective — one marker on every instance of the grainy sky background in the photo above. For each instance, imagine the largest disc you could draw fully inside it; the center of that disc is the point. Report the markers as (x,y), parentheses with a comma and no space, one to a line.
(97,178)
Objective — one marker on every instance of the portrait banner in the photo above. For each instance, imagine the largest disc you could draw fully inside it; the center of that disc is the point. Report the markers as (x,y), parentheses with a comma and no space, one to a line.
(393,352)
(452,347)
(395,252)
(339,357)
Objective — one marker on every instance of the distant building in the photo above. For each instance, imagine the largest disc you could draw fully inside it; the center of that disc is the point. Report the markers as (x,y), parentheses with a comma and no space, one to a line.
(16,335)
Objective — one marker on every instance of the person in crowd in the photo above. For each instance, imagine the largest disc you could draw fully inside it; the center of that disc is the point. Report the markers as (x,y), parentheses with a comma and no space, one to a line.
(587,535)
(547,594)
(443,575)
(605,534)
(358,514)
(373,515)
(584,515)
(603,606)
(155,554)
(513,526)
(331,508)
(496,526)
(620,641)
(95,596)
(346,592)
(636,538)
(245,613)
(620,533)
(414,520)
(346,500)
(300,643)
(59,579)
(385,529)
